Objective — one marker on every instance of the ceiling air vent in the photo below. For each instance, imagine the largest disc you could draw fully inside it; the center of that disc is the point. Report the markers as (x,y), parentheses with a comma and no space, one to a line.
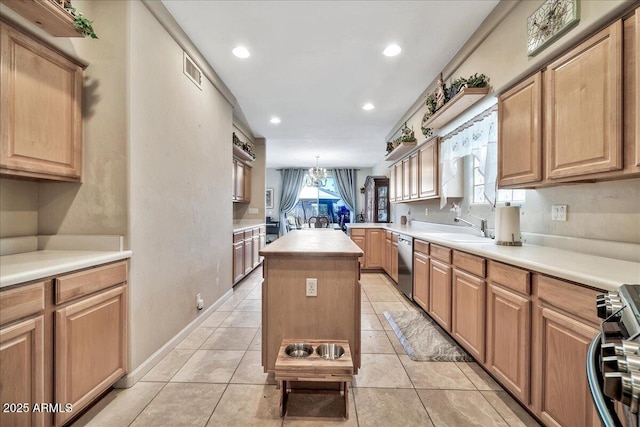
(192,71)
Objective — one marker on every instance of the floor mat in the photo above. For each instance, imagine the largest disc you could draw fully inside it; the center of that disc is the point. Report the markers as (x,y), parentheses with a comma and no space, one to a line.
(423,339)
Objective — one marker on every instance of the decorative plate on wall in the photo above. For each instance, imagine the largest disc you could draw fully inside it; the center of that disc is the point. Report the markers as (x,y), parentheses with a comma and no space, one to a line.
(550,21)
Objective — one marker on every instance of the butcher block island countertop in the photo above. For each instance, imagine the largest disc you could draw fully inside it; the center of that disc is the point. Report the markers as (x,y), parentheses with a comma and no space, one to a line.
(328,256)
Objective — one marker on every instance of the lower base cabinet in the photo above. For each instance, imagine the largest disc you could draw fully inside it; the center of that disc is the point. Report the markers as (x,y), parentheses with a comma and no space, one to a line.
(90,348)
(509,339)
(421,279)
(440,293)
(63,342)
(468,312)
(246,251)
(22,372)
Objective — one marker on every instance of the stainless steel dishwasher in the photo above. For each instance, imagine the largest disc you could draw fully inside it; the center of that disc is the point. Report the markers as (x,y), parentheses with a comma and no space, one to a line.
(405,265)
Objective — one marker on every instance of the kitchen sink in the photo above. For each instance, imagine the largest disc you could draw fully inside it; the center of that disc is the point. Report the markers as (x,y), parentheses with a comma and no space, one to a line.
(462,237)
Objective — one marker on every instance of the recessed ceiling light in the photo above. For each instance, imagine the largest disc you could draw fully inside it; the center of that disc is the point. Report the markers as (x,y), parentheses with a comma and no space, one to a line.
(392,50)
(275,120)
(241,52)
(368,106)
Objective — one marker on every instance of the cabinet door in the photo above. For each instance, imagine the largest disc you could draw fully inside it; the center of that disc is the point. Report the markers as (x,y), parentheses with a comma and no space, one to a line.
(90,348)
(508,339)
(374,247)
(520,133)
(399,181)
(247,183)
(361,242)
(406,179)
(239,182)
(238,261)
(262,242)
(413,166)
(440,293)
(583,104)
(392,184)
(256,251)
(394,261)
(234,170)
(248,254)
(387,256)
(428,170)
(468,312)
(421,280)
(41,110)
(564,395)
(22,372)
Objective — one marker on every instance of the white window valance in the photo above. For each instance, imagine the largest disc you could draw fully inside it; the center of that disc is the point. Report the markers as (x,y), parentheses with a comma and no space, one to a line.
(480,139)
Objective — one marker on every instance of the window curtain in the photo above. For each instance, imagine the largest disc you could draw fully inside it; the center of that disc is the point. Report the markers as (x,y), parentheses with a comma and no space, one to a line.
(292,182)
(481,141)
(345,180)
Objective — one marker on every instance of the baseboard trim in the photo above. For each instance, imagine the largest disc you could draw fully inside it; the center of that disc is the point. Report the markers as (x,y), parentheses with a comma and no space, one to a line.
(136,375)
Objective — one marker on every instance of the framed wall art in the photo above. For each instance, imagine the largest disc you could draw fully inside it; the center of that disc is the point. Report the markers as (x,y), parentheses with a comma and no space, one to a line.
(552,19)
(268,198)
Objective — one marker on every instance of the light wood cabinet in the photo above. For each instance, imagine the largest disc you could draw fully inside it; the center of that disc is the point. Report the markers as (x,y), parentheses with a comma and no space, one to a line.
(41,110)
(399,181)
(22,354)
(392,184)
(246,251)
(440,293)
(565,322)
(468,312)
(374,247)
(241,182)
(421,274)
(509,339)
(394,257)
(406,179)
(520,133)
(583,106)
(428,170)
(414,173)
(90,348)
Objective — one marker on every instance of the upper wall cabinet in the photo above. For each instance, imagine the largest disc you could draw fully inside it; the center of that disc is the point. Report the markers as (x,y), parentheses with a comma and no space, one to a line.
(40,110)
(583,100)
(520,133)
(590,129)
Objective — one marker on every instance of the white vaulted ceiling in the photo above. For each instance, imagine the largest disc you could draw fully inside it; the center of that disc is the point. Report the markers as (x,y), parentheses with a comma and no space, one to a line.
(314,64)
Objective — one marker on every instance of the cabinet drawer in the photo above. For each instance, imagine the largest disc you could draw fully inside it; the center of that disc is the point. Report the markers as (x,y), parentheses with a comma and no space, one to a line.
(421,247)
(21,302)
(357,231)
(387,234)
(86,282)
(394,237)
(248,234)
(572,298)
(255,231)
(471,263)
(238,236)
(441,253)
(262,229)
(510,277)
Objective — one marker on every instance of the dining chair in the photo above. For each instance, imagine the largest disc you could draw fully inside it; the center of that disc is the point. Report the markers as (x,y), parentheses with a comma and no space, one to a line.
(319,222)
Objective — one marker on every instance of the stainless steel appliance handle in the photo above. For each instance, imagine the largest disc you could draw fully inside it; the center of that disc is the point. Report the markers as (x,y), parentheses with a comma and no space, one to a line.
(603,406)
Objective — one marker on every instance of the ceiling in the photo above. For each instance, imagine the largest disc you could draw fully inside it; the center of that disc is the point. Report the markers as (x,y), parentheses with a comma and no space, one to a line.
(314,64)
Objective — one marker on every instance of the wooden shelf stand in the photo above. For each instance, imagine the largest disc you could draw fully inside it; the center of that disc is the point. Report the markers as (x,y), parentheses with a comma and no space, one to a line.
(456,106)
(49,15)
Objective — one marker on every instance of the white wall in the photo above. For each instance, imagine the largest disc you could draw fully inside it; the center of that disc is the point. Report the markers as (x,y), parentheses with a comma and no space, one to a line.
(606,210)
(180,168)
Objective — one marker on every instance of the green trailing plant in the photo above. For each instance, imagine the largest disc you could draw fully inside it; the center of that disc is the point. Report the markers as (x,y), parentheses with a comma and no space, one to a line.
(431,104)
(478,81)
(81,23)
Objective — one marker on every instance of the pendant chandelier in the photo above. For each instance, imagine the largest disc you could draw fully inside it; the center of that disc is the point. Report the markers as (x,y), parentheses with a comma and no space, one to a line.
(316,177)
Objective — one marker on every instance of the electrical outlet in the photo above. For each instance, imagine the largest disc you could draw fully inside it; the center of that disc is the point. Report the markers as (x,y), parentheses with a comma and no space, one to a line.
(426,211)
(559,212)
(199,302)
(312,287)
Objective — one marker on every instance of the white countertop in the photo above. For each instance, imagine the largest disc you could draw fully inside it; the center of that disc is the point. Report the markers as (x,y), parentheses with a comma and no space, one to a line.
(595,271)
(29,266)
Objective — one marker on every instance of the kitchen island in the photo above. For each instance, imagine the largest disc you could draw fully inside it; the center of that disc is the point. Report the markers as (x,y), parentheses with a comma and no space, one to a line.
(288,312)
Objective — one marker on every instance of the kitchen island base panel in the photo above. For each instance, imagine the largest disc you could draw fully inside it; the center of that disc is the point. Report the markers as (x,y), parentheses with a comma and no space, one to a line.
(288,313)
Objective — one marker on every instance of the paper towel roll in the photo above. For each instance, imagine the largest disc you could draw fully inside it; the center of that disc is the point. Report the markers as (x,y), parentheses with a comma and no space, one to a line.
(508,226)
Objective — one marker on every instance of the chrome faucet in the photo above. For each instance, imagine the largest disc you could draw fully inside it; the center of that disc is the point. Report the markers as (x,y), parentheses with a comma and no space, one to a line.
(483,224)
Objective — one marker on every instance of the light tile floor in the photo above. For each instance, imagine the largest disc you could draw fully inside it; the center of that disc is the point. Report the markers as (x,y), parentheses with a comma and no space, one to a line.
(214,377)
